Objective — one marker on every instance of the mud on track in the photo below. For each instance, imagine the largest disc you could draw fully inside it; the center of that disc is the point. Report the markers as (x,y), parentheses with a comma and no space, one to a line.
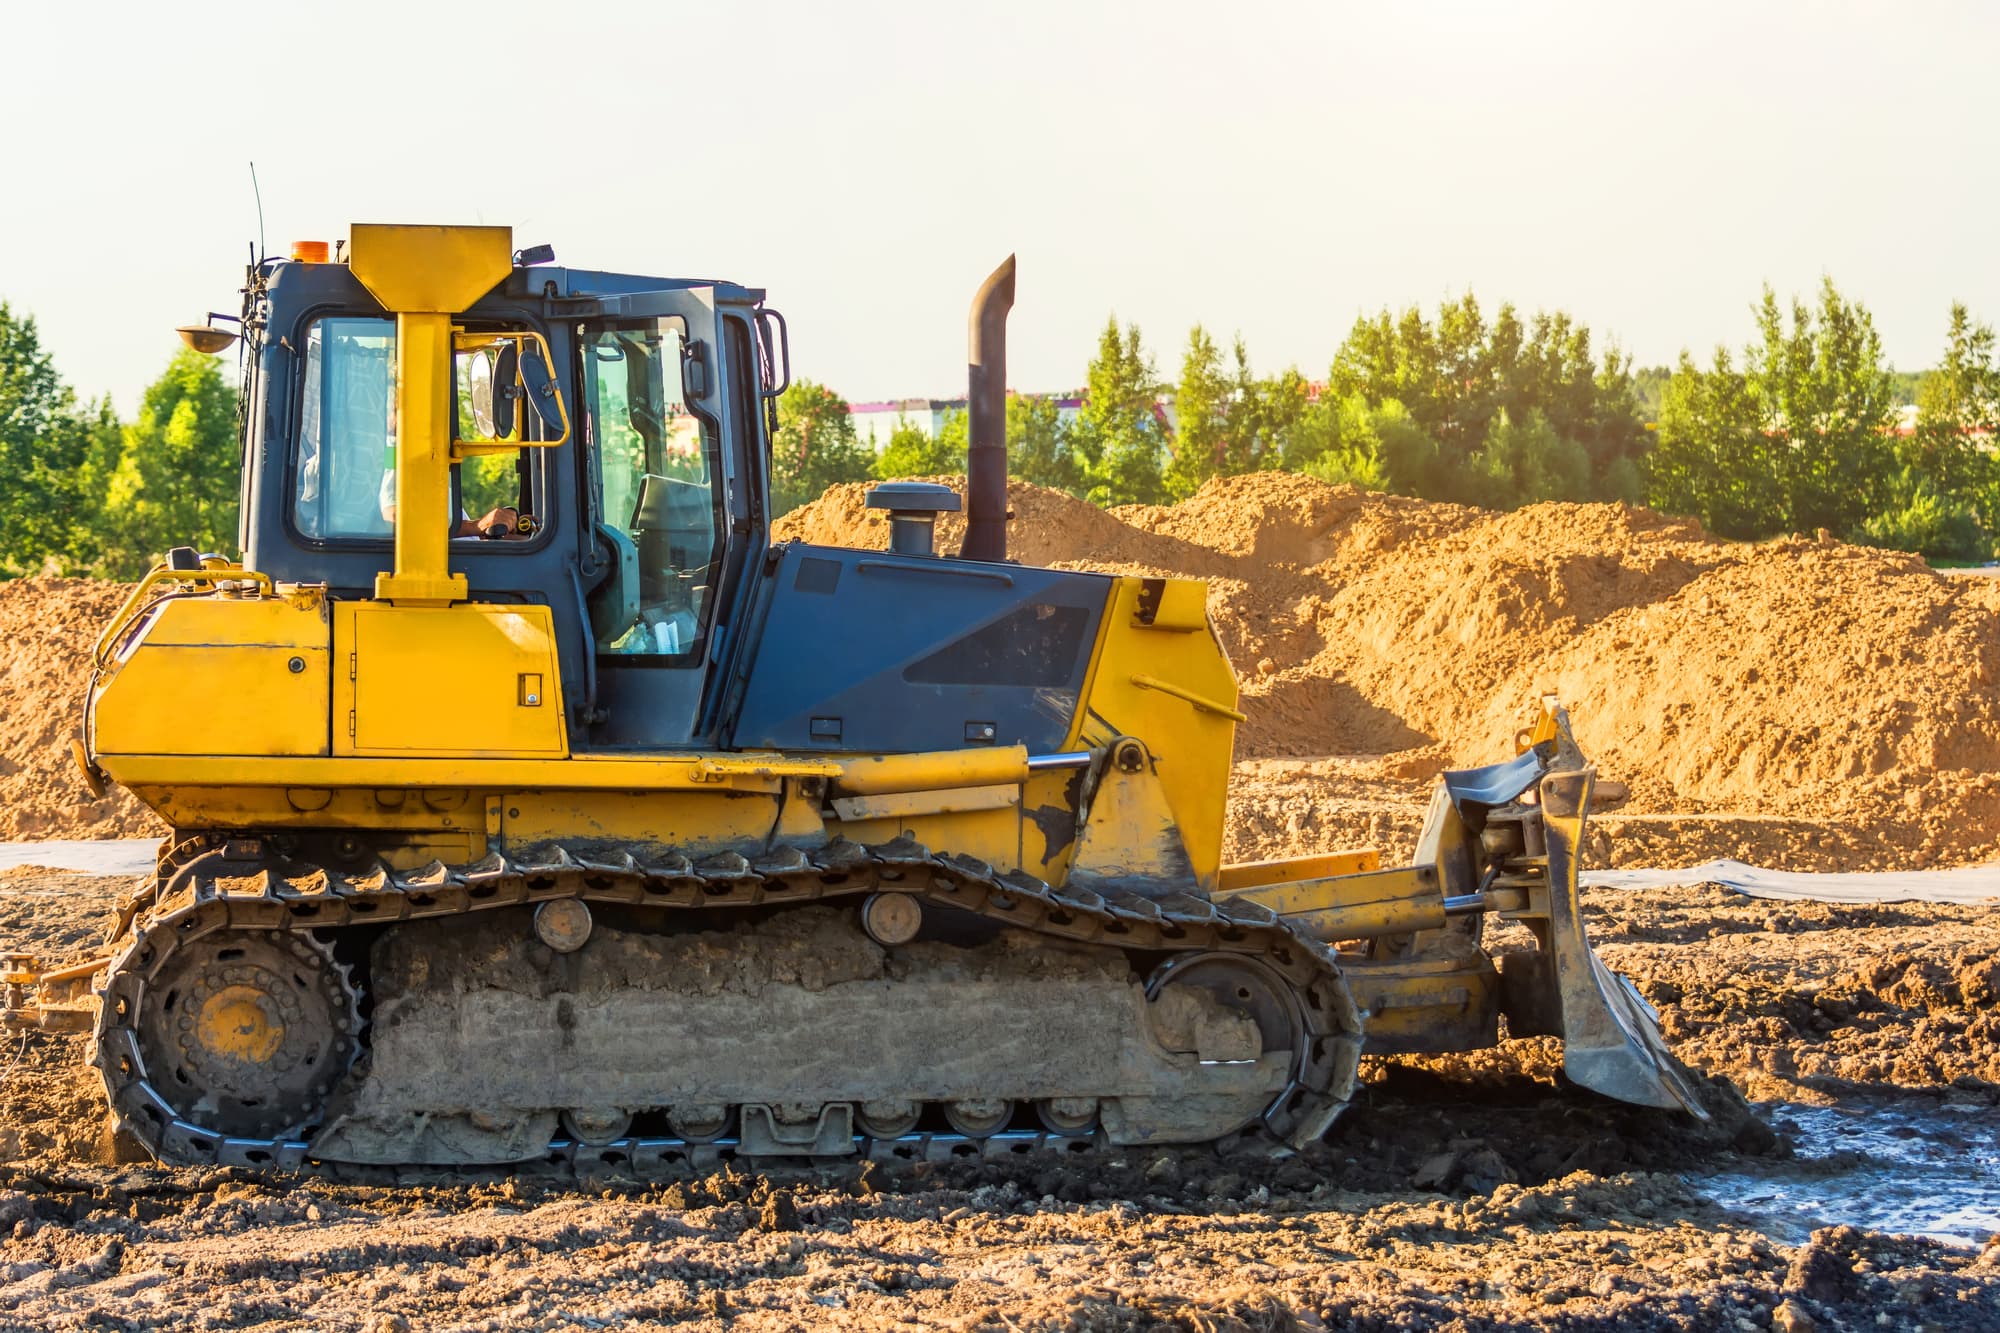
(1469,1193)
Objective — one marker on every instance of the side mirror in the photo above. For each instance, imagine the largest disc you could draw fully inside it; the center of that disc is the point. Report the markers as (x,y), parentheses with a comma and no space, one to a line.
(478,395)
(496,370)
(776,347)
(540,383)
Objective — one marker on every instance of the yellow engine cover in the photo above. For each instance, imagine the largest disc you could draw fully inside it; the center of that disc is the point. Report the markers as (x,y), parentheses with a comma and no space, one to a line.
(446,682)
(220,676)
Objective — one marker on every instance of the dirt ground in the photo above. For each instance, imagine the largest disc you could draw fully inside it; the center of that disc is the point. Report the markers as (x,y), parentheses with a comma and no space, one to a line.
(1463,1193)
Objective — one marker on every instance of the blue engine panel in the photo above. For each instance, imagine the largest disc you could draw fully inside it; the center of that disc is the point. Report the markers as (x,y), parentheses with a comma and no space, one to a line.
(865,651)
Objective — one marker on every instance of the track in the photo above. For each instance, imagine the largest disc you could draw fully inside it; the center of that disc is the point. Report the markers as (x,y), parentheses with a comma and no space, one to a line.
(253,888)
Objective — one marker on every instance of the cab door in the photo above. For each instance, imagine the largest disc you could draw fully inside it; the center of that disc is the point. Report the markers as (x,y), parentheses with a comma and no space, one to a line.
(665,505)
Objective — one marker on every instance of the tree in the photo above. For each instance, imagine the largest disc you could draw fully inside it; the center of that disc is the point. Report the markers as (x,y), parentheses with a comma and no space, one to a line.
(1797,440)
(1039,448)
(1459,376)
(1921,518)
(1711,457)
(44,442)
(1119,435)
(1526,463)
(1958,410)
(815,446)
(1202,422)
(175,481)
(1338,442)
(914,452)
(1265,413)
(1825,398)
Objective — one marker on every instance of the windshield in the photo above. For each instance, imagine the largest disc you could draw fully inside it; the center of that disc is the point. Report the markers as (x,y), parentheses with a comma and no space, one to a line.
(346,459)
(658,497)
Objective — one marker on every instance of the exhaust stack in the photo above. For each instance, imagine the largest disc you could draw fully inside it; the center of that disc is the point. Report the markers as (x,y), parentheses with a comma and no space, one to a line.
(986,408)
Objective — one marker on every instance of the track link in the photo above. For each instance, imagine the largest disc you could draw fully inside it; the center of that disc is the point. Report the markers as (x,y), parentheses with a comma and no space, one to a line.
(247,885)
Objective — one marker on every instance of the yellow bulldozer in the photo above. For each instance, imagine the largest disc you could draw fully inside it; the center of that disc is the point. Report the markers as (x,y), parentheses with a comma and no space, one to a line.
(528,802)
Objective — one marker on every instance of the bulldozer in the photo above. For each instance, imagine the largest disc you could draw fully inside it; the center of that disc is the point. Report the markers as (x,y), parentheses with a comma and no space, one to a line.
(529,803)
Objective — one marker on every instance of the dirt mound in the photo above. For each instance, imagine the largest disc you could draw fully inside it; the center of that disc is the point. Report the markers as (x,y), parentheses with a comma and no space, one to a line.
(48,628)
(1048,526)
(1794,680)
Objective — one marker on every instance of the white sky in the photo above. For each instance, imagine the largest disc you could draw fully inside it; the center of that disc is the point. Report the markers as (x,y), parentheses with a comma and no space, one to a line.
(1273,169)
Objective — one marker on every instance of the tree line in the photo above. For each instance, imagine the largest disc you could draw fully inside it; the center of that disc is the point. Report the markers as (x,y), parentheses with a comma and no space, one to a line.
(1797,431)
(83,492)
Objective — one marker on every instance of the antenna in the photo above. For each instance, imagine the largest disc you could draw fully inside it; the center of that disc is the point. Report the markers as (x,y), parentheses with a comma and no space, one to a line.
(260,209)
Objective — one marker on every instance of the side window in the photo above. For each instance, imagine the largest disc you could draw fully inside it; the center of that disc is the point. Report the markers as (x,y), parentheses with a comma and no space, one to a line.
(657,480)
(491,483)
(345,445)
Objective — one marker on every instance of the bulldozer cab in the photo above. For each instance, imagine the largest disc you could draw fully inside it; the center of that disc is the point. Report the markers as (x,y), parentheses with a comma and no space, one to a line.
(608,441)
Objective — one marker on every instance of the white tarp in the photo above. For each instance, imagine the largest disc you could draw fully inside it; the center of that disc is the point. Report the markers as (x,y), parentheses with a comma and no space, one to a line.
(1969,884)
(116,856)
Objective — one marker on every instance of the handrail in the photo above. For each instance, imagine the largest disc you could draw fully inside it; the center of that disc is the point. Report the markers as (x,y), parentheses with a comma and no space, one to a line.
(1200,703)
(211,574)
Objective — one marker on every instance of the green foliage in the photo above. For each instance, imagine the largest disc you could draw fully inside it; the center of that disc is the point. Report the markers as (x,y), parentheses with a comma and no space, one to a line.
(911,452)
(1229,423)
(1527,463)
(1825,398)
(1201,409)
(1649,388)
(175,479)
(1796,440)
(1461,380)
(1342,442)
(1119,437)
(46,442)
(1039,448)
(1958,417)
(815,446)
(1924,519)
(488,482)
(1265,414)
(1907,386)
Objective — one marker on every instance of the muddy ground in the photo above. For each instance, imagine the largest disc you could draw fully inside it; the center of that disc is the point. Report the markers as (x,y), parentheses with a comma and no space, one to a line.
(1469,1193)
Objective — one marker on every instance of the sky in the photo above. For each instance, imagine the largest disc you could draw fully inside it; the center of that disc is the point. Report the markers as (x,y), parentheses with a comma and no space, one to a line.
(1272,170)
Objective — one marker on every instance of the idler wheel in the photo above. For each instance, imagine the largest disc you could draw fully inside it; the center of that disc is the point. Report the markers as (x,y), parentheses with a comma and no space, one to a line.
(246,1033)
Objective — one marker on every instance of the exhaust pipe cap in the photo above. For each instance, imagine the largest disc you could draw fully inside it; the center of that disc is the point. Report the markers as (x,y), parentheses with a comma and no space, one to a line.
(913,509)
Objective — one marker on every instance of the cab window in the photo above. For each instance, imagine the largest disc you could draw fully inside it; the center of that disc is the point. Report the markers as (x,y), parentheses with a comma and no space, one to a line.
(657,475)
(345,466)
(345,446)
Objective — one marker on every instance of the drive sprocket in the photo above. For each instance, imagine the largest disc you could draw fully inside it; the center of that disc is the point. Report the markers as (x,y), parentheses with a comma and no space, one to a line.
(248,1032)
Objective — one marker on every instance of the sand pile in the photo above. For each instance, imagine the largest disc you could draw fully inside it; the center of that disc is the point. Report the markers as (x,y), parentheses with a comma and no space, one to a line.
(47,630)
(1792,680)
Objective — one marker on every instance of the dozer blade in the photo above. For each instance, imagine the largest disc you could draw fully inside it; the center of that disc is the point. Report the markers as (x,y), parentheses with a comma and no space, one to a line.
(1610,1035)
